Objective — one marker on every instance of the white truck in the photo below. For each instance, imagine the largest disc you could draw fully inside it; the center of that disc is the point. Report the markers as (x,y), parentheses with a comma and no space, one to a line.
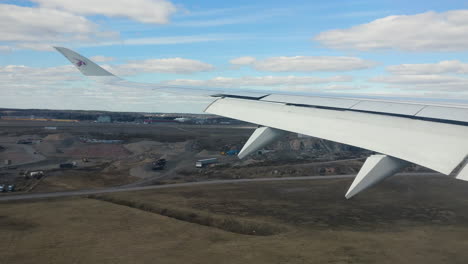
(36,174)
(202,163)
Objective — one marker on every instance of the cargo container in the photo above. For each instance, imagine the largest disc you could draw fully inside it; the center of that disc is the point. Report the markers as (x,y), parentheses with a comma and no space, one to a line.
(232,152)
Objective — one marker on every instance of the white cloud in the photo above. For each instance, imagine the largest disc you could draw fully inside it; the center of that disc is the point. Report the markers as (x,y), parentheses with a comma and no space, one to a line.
(429,82)
(5,48)
(418,79)
(443,76)
(245,17)
(246,60)
(26,24)
(169,65)
(100,58)
(63,87)
(27,80)
(328,88)
(305,63)
(452,66)
(19,75)
(256,81)
(169,40)
(146,11)
(430,31)
(203,12)
(345,87)
(39,28)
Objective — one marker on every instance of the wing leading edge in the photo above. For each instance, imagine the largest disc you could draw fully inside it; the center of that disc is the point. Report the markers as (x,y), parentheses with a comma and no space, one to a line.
(429,134)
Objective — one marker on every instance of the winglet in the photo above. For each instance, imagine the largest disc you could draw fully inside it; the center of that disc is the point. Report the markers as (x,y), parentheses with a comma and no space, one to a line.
(85,65)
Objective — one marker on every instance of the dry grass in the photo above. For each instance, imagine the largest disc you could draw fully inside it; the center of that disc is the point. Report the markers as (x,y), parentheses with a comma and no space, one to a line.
(226,223)
(403,220)
(83,178)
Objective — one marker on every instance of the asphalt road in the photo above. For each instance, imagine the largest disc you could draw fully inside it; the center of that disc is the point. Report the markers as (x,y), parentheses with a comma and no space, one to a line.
(16,197)
(170,168)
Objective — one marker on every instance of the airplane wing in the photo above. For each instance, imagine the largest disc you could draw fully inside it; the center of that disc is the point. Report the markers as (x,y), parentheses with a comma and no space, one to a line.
(427,133)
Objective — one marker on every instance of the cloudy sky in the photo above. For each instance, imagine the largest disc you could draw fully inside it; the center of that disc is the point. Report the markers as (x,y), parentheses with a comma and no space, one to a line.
(387,47)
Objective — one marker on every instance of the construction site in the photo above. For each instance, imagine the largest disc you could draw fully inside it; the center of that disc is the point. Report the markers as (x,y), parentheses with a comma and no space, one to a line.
(41,156)
(418,216)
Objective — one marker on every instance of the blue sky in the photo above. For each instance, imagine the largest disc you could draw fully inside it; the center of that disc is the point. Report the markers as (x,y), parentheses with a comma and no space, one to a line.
(402,48)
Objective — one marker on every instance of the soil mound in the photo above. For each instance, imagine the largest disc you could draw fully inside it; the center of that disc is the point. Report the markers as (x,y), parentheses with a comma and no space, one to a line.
(142,146)
(57,137)
(207,153)
(98,150)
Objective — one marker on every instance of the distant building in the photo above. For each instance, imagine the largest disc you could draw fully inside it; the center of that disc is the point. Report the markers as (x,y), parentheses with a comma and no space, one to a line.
(104,119)
(182,119)
(158,120)
(201,121)
(35,118)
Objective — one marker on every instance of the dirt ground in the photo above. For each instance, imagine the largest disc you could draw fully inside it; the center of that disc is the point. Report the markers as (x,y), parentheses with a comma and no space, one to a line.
(128,160)
(403,220)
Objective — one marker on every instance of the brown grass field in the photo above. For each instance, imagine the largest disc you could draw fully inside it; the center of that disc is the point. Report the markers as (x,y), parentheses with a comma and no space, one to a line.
(402,220)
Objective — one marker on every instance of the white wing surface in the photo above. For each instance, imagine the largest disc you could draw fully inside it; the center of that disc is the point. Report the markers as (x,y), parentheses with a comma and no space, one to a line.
(432,134)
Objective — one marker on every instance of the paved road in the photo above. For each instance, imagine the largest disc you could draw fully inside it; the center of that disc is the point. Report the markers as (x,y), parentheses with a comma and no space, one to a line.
(139,188)
(173,165)
(17,197)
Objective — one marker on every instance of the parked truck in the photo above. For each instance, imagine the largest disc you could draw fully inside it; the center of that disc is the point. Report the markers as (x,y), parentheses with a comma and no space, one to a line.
(202,163)
(24,141)
(36,174)
(68,165)
(159,164)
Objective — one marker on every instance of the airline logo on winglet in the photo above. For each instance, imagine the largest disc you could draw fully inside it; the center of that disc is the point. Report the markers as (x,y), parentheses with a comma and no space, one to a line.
(79,63)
